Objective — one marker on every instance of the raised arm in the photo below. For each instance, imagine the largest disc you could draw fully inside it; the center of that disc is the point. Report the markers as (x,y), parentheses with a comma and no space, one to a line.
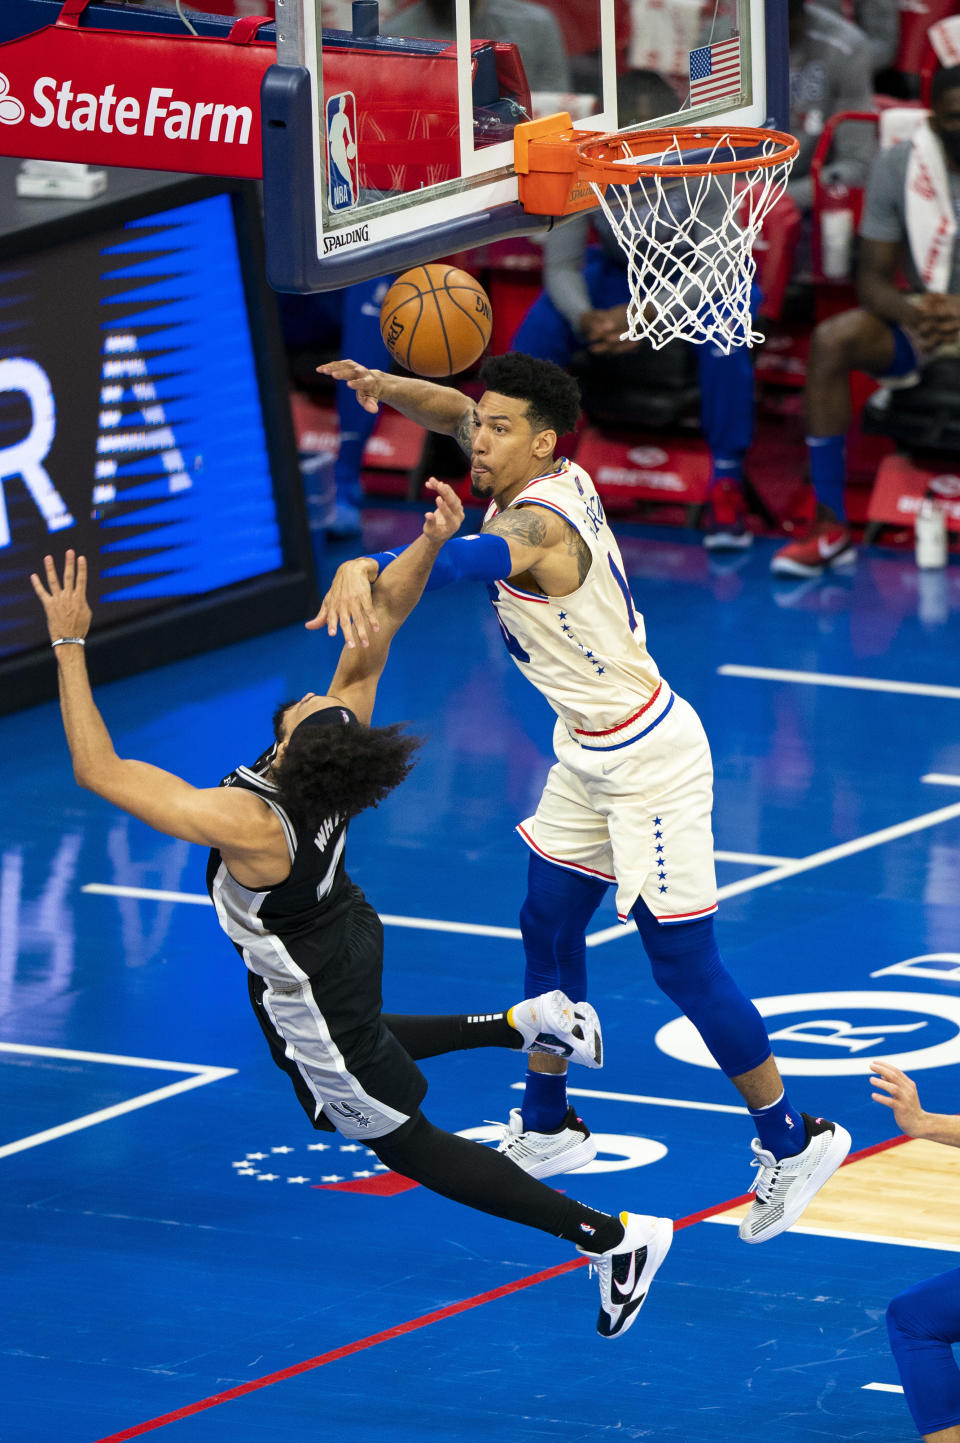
(229,818)
(213,816)
(436,408)
(900,1095)
(393,598)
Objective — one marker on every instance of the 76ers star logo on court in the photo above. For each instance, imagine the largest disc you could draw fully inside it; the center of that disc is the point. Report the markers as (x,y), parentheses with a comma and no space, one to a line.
(330,1166)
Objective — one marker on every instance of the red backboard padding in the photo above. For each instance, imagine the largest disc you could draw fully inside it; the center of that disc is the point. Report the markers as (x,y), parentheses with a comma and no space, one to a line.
(407,115)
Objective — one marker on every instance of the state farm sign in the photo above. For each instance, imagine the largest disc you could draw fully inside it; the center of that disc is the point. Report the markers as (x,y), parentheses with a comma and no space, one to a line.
(161,114)
(156,102)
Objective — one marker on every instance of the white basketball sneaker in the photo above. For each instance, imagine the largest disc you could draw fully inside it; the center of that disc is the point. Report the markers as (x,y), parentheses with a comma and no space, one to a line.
(552,1023)
(784,1187)
(626,1271)
(542,1154)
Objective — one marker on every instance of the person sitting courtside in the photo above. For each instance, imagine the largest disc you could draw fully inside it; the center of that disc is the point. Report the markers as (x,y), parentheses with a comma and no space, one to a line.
(911,221)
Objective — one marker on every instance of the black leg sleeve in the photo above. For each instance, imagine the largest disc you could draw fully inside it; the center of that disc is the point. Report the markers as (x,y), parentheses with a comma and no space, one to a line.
(432,1036)
(471,1173)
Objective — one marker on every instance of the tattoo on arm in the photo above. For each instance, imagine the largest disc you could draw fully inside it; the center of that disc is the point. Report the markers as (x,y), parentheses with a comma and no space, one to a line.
(523,525)
(465,431)
(579,550)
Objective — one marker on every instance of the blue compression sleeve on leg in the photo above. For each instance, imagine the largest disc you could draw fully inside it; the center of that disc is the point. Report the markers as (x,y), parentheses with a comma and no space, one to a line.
(687,966)
(465,558)
(553,921)
(922,1323)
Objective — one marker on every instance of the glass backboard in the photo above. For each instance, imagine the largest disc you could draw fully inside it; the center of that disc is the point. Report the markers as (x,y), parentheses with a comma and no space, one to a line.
(388,127)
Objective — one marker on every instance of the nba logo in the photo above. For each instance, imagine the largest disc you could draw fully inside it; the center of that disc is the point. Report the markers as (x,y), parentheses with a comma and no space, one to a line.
(342,150)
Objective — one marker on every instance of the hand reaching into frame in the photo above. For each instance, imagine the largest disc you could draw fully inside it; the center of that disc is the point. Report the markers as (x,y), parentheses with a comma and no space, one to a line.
(446,518)
(364,382)
(65,605)
(348,605)
(900,1095)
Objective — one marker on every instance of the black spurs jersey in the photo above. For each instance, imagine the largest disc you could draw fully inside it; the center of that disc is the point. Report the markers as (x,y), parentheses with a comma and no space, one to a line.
(290,931)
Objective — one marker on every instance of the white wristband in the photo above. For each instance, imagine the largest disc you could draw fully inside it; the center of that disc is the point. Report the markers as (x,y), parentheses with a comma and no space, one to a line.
(69,641)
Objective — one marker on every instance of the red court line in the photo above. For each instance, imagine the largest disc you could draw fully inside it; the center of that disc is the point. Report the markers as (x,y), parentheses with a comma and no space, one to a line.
(425,1320)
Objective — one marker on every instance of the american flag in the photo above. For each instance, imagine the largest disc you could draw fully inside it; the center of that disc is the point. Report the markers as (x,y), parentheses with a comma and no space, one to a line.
(715,71)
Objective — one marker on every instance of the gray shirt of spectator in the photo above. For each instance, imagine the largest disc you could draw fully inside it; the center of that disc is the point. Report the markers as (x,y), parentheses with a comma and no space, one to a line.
(831,69)
(880,22)
(885,211)
(532,28)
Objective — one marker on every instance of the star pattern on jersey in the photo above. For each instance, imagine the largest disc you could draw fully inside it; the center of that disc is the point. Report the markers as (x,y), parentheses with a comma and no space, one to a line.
(659,856)
(567,630)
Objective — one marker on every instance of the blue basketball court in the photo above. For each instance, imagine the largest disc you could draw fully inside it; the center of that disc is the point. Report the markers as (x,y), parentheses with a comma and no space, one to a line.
(186,1258)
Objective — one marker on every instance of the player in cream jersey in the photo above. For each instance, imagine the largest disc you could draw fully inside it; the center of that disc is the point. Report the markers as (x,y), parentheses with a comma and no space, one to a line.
(629,799)
(586,652)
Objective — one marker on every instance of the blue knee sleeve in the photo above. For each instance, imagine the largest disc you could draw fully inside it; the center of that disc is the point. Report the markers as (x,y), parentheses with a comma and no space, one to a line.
(922,1323)
(553,921)
(687,966)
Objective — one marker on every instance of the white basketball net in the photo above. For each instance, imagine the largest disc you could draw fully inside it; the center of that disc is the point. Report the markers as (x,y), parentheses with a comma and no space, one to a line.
(689,243)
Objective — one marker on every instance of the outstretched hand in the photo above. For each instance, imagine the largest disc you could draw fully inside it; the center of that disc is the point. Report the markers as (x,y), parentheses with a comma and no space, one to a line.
(65,606)
(446,518)
(367,383)
(900,1095)
(348,605)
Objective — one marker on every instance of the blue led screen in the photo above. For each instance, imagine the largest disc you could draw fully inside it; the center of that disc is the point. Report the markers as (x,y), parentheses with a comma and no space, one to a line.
(131,422)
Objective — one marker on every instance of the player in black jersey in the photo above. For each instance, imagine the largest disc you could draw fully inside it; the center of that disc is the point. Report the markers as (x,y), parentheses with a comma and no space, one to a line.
(313,945)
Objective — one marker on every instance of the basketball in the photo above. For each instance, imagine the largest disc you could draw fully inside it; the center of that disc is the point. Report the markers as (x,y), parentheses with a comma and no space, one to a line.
(436,320)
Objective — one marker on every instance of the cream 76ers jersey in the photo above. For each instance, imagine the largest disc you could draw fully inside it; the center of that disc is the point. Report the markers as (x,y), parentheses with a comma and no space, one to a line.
(585,651)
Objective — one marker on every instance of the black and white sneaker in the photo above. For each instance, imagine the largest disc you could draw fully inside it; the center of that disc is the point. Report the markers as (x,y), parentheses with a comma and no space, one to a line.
(626,1271)
(785,1186)
(542,1154)
(552,1023)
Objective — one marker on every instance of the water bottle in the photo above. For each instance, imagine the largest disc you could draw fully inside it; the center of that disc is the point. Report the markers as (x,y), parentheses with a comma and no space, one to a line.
(930,535)
(837,227)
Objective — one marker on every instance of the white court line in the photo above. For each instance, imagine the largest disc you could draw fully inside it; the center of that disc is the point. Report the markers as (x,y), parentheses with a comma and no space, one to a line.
(424,924)
(807,864)
(428,924)
(756,857)
(941,779)
(853,1237)
(147,894)
(202,1074)
(881,1388)
(619,929)
(856,683)
(652,1101)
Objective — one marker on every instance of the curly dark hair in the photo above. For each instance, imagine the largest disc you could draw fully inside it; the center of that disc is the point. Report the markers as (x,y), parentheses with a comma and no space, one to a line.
(341,770)
(552,397)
